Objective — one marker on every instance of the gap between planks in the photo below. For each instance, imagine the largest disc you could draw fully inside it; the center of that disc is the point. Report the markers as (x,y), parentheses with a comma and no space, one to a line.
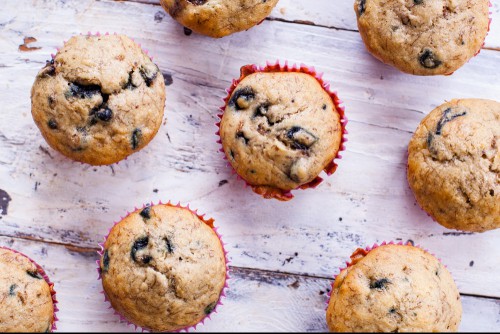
(271,18)
(244,271)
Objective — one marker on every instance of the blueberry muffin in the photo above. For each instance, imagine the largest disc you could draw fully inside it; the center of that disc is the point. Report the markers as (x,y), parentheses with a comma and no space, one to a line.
(394,288)
(279,130)
(163,268)
(99,100)
(218,18)
(454,164)
(423,37)
(27,304)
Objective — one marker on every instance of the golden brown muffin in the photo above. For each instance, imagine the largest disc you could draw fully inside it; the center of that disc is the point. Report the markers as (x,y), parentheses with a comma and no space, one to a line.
(454,164)
(99,100)
(25,296)
(423,37)
(163,268)
(394,288)
(279,130)
(218,18)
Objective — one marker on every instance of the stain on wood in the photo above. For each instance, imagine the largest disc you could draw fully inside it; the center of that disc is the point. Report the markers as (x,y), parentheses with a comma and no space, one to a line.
(25,48)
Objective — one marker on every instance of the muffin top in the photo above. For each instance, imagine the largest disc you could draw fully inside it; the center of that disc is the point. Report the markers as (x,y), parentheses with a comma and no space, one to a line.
(394,288)
(454,164)
(279,130)
(423,37)
(26,297)
(218,18)
(163,268)
(99,100)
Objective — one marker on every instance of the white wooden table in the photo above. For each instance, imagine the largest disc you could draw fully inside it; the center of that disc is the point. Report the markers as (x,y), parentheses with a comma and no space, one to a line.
(283,255)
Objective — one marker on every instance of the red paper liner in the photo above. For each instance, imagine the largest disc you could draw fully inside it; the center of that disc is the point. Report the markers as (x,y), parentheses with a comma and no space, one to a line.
(97,34)
(46,279)
(245,71)
(365,251)
(210,223)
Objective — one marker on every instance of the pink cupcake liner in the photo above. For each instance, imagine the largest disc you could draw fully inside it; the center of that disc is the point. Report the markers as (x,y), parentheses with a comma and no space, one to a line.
(365,251)
(46,279)
(210,223)
(97,34)
(245,71)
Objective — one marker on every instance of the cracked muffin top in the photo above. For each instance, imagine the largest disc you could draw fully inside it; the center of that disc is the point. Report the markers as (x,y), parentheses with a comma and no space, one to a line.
(163,268)
(454,164)
(218,18)
(394,288)
(99,100)
(279,130)
(423,37)
(26,297)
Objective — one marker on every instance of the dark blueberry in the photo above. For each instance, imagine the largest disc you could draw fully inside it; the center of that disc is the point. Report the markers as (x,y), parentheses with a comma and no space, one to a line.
(241,135)
(187,31)
(148,74)
(136,138)
(49,69)
(299,138)
(379,284)
(146,259)
(324,107)
(83,91)
(361,6)
(428,60)
(34,274)
(430,138)
(130,84)
(52,124)
(104,114)
(146,213)
(11,289)
(447,117)
(105,261)
(241,97)
(51,101)
(210,307)
(167,79)
(418,2)
(169,245)
(198,2)
(392,310)
(261,111)
(138,245)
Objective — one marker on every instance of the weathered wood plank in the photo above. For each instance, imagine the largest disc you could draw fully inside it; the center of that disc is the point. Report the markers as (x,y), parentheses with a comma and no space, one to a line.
(256,300)
(57,200)
(339,14)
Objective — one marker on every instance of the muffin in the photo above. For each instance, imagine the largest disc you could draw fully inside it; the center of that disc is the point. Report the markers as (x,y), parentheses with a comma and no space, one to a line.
(26,295)
(218,18)
(163,268)
(394,288)
(100,99)
(454,164)
(423,37)
(280,128)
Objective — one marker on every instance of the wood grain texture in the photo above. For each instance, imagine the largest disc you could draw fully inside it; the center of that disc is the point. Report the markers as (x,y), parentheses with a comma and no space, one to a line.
(256,300)
(55,201)
(339,14)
